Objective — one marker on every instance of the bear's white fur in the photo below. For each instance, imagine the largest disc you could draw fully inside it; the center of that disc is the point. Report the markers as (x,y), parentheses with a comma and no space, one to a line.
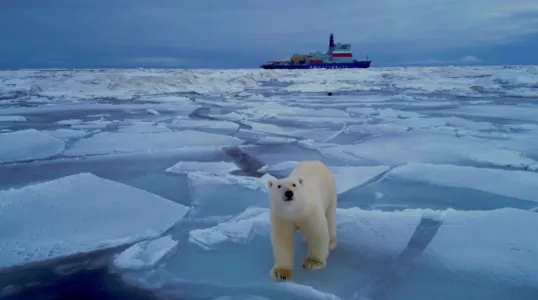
(311,210)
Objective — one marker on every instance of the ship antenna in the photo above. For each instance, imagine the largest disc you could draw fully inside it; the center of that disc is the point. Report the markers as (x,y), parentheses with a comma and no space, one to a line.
(331,42)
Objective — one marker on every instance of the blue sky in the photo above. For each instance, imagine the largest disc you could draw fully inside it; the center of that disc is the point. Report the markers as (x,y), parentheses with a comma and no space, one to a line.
(245,33)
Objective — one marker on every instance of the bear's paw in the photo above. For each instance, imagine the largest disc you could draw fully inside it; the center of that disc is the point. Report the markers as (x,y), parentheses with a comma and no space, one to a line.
(313,264)
(282,274)
(332,244)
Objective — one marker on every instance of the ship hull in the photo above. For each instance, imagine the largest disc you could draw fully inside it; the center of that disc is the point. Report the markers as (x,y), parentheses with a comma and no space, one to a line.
(362,64)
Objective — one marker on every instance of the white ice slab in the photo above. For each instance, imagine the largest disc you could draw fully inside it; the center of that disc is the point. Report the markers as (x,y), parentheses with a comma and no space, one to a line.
(107,142)
(12,119)
(237,229)
(349,177)
(78,214)
(217,176)
(370,232)
(69,122)
(517,184)
(152,111)
(27,145)
(503,158)
(430,146)
(220,168)
(495,245)
(511,112)
(65,134)
(222,127)
(290,133)
(145,254)
(142,127)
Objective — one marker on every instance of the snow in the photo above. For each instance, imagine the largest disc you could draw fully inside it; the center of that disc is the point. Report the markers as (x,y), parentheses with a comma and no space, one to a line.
(143,127)
(152,112)
(66,134)
(107,142)
(382,236)
(28,144)
(351,177)
(78,214)
(222,127)
(516,184)
(216,168)
(436,171)
(12,119)
(506,252)
(145,254)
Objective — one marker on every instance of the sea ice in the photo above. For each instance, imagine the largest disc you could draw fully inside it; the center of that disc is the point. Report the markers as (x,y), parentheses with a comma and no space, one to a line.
(221,168)
(509,112)
(426,146)
(145,254)
(210,126)
(444,137)
(66,134)
(69,122)
(516,184)
(108,142)
(218,194)
(28,144)
(496,244)
(241,248)
(375,246)
(152,112)
(142,127)
(78,214)
(12,119)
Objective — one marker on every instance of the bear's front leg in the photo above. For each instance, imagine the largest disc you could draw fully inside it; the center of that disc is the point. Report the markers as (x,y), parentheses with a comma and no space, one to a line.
(317,236)
(282,233)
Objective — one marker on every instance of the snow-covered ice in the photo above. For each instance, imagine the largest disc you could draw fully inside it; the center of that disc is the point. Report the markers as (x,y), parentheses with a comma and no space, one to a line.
(66,134)
(517,184)
(108,142)
(436,170)
(145,254)
(368,239)
(28,144)
(12,119)
(78,214)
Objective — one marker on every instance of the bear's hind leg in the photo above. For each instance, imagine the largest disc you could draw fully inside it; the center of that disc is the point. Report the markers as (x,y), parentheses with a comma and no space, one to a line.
(317,237)
(331,224)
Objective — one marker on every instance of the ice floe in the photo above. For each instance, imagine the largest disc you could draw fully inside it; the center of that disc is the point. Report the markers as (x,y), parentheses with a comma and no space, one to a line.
(78,214)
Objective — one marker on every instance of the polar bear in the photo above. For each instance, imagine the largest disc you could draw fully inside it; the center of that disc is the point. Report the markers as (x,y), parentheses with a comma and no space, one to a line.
(304,201)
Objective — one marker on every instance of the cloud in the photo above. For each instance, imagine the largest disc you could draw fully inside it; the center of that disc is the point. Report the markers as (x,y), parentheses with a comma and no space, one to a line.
(231,31)
(248,25)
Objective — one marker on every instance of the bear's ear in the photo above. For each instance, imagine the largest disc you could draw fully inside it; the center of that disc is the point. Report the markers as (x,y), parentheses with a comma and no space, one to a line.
(300,181)
(269,183)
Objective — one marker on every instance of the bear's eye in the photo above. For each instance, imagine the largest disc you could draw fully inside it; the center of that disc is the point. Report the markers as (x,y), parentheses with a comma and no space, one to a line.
(278,186)
(294,185)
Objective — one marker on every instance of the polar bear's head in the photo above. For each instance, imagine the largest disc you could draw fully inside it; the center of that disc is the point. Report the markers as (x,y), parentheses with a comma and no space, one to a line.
(287,197)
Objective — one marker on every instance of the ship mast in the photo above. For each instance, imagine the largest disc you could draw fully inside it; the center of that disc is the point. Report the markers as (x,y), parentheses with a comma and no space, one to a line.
(331,43)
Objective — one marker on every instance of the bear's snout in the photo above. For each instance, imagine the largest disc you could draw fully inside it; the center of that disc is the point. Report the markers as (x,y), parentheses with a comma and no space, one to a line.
(289,195)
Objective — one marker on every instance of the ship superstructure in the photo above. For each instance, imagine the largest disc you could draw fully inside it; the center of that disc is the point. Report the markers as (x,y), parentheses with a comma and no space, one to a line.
(337,56)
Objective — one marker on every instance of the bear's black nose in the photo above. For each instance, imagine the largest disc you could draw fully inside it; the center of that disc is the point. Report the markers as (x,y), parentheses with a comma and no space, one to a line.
(288,194)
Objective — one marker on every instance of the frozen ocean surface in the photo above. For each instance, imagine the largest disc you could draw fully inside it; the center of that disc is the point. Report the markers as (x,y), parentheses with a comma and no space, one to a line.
(150,184)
